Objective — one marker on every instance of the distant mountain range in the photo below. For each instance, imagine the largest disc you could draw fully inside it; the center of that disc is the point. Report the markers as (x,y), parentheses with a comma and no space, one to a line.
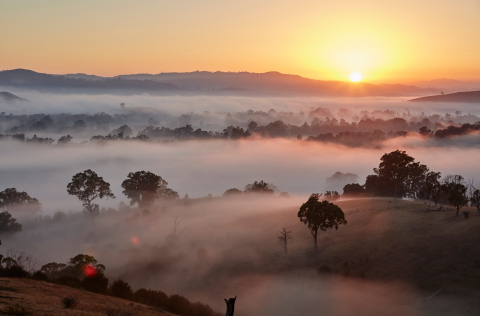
(10,97)
(464,97)
(204,83)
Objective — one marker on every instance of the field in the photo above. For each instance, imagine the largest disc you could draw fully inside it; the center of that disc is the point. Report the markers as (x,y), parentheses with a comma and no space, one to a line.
(44,299)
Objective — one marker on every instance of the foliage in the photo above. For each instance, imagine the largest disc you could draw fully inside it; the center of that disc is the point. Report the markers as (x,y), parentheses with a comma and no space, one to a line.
(331,196)
(398,175)
(232,192)
(466,214)
(12,199)
(144,187)
(69,302)
(121,289)
(97,283)
(40,276)
(320,215)
(353,189)
(87,186)
(455,191)
(260,187)
(8,224)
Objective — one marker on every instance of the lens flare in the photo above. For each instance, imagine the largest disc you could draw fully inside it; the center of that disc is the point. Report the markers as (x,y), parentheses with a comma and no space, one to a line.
(89,271)
(135,241)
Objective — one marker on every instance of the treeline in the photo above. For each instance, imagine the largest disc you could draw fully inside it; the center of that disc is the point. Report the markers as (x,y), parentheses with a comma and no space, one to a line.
(85,273)
(400,176)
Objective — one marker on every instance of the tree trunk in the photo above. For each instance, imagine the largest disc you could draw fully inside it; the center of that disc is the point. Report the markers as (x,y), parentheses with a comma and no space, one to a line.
(458,209)
(285,250)
(315,239)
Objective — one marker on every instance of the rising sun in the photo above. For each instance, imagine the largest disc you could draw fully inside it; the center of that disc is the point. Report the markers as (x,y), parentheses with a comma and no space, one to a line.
(356,77)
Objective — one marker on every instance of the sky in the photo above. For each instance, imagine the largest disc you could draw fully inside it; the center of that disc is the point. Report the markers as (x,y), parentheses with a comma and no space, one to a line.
(384,40)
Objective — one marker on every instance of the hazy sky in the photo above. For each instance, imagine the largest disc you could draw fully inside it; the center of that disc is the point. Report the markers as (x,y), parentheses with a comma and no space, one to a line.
(385,40)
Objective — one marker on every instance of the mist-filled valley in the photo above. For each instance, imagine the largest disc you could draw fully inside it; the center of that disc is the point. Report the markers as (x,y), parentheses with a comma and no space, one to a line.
(205,241)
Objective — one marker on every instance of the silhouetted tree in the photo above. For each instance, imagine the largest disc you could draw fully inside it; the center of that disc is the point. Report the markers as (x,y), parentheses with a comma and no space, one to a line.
(11,199)
(144,187)
(87,186)
(320,215)
(353,189)
(285,236)
(425,131)
(456,191)
(331,195)
(231,192)
(8,224)
(121,289)
(260,187)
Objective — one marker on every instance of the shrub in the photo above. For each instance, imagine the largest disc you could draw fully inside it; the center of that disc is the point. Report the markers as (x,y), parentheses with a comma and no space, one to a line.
(121,289)
(151,297)
(17,310)
(466,214)
(15,271)
(39,275)
(97,283)
(69,302)
(179,305)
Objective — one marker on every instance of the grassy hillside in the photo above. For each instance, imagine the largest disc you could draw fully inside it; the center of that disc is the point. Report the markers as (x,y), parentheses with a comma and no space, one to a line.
(42,298)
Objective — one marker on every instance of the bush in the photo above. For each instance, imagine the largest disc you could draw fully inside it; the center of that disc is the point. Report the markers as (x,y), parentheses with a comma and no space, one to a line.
(17,310)
(97,283)
(121,289)
(69,302)
(179,305)
(466,214)
(39,275)
(15,271)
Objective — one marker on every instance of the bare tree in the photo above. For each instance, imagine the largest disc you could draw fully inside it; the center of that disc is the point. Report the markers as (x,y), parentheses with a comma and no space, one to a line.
(22,259)
(174,237)
(285,237)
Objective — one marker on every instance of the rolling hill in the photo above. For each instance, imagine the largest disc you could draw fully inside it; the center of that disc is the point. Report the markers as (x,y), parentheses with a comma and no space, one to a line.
(10,97)
(464,97)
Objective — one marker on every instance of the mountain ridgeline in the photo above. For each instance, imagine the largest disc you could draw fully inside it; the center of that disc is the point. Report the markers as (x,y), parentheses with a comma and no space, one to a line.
(203,83)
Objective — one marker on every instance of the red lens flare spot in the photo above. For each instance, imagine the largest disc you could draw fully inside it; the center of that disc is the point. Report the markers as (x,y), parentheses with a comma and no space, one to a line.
(135,241)
(89,271)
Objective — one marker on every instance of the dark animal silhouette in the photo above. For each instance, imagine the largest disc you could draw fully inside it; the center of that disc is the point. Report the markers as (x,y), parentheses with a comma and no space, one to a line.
(230,306)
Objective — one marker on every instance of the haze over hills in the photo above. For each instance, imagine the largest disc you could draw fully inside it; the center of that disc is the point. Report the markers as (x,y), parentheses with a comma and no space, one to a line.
(10,97)
(466,97)
(204,83)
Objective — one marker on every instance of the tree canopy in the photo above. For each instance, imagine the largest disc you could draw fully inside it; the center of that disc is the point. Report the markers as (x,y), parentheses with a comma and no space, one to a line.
(320,215)
(88,186)
(8,224)
(12,199)
(144,187)
(260,187)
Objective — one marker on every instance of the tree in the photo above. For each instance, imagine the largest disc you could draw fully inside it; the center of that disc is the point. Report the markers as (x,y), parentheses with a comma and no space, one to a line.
(285,236)
(144,187)
(320,215)
(397,175)
(8,224)
(260,187)
(331,195)
(232,192)
(85,265)
(425,131)
(353,189)
(456,191)
(474,195)
(11,199)
(431,187)
(121,289)
(87,186)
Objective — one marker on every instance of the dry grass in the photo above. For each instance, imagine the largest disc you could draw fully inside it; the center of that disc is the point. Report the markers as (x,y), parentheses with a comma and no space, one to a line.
(45,299)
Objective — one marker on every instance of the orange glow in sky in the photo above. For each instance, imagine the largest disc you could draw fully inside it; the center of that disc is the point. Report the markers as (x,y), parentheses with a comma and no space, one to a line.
(384,40)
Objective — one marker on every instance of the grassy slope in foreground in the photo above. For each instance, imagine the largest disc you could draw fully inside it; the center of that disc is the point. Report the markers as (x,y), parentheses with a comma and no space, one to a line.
(466,97)
(44,298)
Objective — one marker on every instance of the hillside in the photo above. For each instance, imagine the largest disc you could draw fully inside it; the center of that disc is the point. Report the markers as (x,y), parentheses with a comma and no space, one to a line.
(10,97)
(44,298)
(204,83)
(464,97)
